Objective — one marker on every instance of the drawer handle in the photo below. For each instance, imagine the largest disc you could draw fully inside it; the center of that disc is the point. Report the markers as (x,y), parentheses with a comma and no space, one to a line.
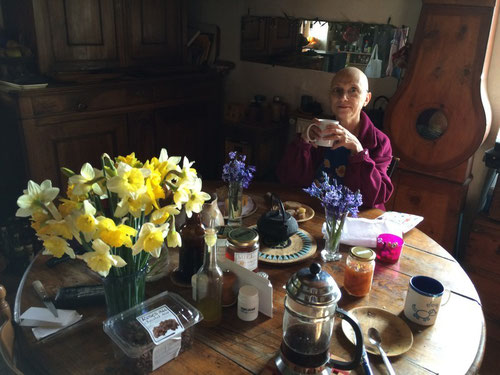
(81,107)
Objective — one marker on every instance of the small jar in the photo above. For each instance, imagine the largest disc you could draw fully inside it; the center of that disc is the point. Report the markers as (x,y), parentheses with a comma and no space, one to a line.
(243,247)
(358,275)
(248,303)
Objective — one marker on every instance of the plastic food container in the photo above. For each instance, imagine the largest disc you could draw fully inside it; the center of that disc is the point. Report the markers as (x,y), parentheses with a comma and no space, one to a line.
(153,332)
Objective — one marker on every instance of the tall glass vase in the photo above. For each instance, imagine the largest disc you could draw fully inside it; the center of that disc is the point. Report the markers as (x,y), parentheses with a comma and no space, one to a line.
(332,229)
(235,204)
(124,292)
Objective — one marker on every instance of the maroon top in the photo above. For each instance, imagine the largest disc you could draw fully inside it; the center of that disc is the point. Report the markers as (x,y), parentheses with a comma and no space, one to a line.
(366,170)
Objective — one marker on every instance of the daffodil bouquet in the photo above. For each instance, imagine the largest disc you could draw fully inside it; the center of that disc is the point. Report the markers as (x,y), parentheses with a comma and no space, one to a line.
(120,214)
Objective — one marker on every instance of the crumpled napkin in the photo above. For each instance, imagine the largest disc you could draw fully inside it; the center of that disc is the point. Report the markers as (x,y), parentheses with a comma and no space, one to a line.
(364,232)
(45,324)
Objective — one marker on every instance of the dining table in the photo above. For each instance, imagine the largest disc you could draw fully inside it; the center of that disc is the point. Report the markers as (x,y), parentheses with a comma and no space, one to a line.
(455,344)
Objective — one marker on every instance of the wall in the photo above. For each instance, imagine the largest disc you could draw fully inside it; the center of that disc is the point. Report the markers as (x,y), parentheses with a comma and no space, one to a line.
(248,79)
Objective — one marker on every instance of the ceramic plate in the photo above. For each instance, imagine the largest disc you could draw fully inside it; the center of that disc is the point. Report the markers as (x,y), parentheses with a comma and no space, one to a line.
(297,248)
(295,205)
(248,209)
(395,333)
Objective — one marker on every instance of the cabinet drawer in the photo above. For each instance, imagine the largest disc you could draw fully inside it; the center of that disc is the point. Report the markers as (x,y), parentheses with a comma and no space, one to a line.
(84,101)
(185,89)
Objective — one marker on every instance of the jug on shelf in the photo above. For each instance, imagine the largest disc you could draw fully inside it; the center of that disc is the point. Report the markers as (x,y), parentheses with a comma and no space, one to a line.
(310,310)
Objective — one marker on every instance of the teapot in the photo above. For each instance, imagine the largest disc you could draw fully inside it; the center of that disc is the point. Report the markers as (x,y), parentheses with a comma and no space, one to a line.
(310,309)
(276,226)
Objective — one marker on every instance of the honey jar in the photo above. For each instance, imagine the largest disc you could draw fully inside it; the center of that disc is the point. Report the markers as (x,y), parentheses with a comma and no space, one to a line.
(243,247)
(358,275)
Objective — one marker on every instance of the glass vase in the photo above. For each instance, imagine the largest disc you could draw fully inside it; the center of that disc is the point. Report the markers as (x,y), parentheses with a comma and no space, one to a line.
(235,204)
(332,229)
(124,292)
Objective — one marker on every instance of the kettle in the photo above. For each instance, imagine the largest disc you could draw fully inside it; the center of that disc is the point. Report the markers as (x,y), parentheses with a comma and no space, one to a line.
(310,309)
(276,226)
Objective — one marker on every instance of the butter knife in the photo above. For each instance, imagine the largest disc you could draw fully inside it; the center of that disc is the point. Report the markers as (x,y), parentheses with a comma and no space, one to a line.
(42,294)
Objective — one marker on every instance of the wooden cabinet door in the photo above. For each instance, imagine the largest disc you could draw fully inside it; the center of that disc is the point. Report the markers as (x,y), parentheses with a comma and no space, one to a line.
(282,35)
(254,37)
(155,31)
(71,144)
(75,34)
(191,130)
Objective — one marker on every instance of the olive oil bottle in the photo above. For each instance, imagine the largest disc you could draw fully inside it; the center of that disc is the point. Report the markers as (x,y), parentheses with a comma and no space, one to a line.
(207,283)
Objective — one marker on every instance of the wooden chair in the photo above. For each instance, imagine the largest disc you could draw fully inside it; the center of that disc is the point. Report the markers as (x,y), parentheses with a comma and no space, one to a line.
(7,364)
(392,167)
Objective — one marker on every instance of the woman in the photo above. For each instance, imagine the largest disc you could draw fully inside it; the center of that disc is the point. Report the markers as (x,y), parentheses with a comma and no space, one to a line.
(360,153)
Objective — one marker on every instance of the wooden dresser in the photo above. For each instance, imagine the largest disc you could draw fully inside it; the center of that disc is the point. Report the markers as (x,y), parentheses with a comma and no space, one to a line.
(135,93)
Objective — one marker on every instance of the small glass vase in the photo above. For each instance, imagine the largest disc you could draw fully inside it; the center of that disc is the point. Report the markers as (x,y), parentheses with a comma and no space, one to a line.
(332,229)
(124,292)
(235,204)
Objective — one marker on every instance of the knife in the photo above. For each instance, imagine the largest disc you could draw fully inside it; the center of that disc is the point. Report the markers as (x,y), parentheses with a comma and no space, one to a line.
(42,294)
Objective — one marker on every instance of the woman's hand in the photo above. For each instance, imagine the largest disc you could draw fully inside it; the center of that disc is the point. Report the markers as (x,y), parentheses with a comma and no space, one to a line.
(342,138)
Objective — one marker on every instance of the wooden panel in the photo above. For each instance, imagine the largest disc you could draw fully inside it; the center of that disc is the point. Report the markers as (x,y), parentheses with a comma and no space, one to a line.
(483,246)
(71,145)
(283,35)
(83,33)
(440,203)
(155,30)
(445,73)
(254,39)
(141,134)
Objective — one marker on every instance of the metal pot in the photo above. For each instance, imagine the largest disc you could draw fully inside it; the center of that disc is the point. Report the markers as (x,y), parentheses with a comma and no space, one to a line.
(276,226)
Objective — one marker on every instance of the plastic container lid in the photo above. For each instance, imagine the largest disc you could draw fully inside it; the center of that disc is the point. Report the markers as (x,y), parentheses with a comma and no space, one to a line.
(363,254)
(120,326)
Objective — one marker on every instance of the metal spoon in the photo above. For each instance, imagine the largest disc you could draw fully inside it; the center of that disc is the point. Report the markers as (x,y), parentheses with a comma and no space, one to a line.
(375,339)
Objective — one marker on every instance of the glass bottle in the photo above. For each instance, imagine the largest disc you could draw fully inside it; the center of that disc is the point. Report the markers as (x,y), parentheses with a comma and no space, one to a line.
(208,283)
(191,251)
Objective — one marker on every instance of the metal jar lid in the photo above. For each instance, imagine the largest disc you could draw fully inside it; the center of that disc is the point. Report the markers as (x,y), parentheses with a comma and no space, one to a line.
(243,237)
(363,254)
(312,286)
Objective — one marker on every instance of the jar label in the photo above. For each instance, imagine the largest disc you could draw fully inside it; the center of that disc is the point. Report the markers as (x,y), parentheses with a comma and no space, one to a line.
(167,351)
(247,260)
(161,324)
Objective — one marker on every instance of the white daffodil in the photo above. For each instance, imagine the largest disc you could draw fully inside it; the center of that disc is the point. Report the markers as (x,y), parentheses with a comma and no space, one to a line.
(173,237)
(196,199)
(188,174)
(37,197)
(129,182)
(101,260)
(181,196)
(150,239)
(86,180)
(160,216)
(56,246)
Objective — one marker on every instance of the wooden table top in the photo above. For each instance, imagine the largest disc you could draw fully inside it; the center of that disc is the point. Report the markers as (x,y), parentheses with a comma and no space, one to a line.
(453,345)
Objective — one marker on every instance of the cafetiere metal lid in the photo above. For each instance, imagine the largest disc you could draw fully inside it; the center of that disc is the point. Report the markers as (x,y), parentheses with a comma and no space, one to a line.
(312,286)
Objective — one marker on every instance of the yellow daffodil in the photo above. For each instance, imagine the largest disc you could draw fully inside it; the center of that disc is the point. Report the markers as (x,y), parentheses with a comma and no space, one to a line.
(101,260)
(39,218)
(130,160)
(56,246)
(86,221)
(154,189)
(58,228)
(67,207)
(167,164)
(134,206)
(86,181)
(37,197)
(150,239)
(196,199)
(115,235)
(173,237)
(181,196)
(160,216)
(129,182)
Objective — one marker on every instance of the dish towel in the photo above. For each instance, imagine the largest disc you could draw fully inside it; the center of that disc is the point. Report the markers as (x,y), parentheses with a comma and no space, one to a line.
(364,232)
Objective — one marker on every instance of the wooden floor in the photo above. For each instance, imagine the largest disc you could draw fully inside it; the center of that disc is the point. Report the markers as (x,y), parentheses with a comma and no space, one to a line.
(490,366)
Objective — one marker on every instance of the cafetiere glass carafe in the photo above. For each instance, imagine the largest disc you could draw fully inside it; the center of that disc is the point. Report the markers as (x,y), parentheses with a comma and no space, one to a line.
(310,311)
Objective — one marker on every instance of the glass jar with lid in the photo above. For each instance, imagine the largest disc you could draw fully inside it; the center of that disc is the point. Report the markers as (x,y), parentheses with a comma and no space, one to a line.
(358,274)
(243,247)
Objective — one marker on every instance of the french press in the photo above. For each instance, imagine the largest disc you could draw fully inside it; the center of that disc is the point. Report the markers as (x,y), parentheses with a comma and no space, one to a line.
(310,309)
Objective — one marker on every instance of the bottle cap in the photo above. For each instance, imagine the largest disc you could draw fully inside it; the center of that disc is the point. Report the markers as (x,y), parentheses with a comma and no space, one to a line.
(244,237)
(363,254)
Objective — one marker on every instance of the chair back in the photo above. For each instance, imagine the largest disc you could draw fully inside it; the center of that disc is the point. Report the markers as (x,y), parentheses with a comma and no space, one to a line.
(7,364)
(392,167)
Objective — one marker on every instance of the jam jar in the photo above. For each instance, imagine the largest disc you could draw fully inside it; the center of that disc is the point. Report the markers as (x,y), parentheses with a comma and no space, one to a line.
(358,274)
(243,247)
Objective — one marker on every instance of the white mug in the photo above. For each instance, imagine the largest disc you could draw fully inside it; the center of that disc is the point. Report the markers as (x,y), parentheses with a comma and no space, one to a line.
(423,300)
(323,123)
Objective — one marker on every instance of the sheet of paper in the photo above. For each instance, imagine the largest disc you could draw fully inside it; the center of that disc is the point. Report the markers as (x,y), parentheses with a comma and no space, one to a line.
(247,277)
(45,323)
(407,221)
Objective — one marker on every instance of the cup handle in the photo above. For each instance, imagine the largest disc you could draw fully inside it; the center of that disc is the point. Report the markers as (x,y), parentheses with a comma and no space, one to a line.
(308,139)
(443,300)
